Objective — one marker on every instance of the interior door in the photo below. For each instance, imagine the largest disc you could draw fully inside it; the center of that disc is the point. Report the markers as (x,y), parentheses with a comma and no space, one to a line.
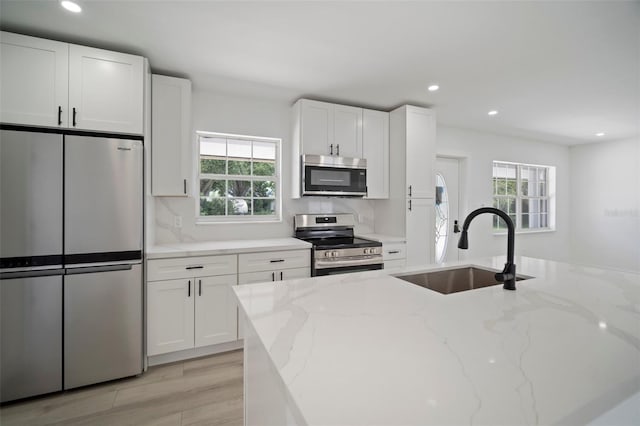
(447,209)
(103,196)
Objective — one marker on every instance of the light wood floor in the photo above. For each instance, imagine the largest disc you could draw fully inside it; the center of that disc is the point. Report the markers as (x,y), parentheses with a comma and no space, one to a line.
(204,391)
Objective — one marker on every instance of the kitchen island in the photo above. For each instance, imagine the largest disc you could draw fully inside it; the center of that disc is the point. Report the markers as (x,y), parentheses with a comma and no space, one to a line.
(369,348)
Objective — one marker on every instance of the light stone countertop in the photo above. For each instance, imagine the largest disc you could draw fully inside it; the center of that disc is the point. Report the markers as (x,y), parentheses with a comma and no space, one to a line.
(208,248)
(368,348)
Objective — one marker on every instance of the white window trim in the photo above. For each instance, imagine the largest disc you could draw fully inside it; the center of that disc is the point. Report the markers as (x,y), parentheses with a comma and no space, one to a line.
(551,199)
(230,219)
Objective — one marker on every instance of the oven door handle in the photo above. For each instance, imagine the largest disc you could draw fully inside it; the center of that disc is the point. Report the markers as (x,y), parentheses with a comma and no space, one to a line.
(348,261)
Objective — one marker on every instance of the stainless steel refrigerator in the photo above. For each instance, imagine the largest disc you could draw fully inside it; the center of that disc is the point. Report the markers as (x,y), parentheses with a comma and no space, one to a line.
(71,291)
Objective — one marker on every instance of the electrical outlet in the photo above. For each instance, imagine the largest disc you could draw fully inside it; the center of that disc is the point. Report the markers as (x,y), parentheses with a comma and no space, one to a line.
(177,221)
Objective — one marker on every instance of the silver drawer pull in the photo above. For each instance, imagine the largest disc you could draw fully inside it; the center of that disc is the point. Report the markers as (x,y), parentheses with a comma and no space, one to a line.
(276,260)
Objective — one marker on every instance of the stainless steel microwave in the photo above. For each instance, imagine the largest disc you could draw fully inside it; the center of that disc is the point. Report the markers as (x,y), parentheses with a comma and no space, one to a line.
(334,176)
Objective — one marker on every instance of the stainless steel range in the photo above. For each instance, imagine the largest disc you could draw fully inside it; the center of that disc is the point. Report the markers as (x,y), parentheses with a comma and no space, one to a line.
(335,248)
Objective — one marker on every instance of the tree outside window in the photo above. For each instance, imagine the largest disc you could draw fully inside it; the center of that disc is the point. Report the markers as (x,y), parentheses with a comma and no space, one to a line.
(239,177)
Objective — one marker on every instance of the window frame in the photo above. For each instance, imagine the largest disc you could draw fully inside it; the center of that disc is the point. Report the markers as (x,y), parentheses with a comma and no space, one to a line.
(550,197)
(277,178)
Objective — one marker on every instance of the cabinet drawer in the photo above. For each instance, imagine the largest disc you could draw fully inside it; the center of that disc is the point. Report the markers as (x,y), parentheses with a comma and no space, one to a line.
(394,251)
(274,260)
(185,267)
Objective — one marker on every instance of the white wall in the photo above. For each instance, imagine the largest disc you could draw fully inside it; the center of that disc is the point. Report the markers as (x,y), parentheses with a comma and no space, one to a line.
(218,112)
(479,150)
(605,202)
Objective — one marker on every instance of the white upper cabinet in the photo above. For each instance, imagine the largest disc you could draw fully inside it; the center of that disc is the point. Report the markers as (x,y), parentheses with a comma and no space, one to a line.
(54,84)
(33,81)
(330,129)
(170,135)
(105,90)
(375,149)
(420,152)
(347,131)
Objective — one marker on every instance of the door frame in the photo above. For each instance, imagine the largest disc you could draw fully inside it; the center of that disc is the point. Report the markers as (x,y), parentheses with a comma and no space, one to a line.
(463,165)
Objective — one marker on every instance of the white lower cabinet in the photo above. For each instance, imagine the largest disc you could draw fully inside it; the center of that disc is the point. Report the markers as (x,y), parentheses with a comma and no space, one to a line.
(170,319)
(189,310)
(272,266)
(215,310)
(274,275)
(394,255)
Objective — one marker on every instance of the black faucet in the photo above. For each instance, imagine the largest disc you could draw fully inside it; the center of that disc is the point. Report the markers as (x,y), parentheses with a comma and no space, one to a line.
(508,274)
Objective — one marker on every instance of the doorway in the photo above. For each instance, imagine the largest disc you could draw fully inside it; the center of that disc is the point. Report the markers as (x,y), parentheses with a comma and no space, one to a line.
(447,206)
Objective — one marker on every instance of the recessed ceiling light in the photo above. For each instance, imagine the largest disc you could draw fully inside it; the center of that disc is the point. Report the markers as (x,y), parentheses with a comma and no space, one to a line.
(600,134)
(71,6)
(493,112)
(433,87)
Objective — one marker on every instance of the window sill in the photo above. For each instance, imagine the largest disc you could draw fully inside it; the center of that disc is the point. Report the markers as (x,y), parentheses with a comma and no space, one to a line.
(521,231)
(238,221)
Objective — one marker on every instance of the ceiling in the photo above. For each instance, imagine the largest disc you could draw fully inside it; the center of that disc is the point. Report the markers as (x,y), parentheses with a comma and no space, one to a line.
(557,71)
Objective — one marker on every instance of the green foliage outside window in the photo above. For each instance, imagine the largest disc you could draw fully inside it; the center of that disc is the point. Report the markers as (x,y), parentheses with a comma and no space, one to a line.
(238,186)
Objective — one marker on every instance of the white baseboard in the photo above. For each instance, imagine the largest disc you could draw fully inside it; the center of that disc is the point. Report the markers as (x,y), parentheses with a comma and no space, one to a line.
(194,353)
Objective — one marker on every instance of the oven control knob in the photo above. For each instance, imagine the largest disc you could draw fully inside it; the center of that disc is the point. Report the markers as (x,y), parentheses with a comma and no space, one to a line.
(334,253)
(327,254)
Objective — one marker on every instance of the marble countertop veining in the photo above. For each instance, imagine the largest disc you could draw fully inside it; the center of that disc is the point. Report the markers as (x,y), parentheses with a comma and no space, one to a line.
(207,248)
(368,348)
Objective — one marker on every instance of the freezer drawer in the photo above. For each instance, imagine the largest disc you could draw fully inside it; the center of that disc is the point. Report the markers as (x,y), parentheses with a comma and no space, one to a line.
(102,324)
(103,197)
(30,198)
(31,339)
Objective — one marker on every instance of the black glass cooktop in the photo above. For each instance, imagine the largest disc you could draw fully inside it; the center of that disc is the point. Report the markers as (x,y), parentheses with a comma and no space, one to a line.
(339,243)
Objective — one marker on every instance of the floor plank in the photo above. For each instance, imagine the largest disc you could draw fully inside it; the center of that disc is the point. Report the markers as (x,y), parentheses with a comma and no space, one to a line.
(206,390)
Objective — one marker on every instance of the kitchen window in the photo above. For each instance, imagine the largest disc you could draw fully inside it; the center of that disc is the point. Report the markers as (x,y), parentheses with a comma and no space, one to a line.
(526,193)
(239,178)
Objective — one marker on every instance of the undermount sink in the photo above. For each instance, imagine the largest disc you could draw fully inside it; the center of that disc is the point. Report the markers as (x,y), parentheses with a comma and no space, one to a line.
(455,280)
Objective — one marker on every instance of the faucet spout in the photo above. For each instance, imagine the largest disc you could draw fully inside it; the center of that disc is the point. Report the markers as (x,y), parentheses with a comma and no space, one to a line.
(508,274)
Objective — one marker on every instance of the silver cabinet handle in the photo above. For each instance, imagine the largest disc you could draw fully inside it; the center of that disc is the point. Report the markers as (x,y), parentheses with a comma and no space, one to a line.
(409,205)
(394,252)
(184,183)
(338,149)
(273,276)
(331,149)
(410,190)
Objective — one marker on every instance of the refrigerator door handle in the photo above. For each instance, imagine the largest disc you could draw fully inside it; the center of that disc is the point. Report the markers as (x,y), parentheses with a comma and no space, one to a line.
(93,269)
(31,274)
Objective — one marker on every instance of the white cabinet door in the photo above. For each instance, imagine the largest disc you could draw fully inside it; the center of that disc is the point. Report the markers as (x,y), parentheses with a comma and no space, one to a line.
(347,131)
(419,234)
(170,310)
(274,275)
(216,313)
(317,127)
(420,146)
(375,149)
(33,81)
(105,90)
(170,136)
(290,274)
